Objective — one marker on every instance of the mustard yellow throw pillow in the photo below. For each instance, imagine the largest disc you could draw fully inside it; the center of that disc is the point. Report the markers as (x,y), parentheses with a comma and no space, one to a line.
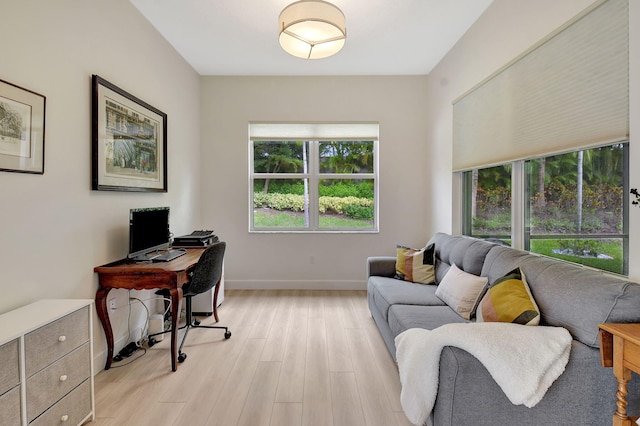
(509,299)
(415,265)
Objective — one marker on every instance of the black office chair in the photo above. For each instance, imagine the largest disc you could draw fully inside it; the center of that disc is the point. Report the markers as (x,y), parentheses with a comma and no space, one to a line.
(205,275)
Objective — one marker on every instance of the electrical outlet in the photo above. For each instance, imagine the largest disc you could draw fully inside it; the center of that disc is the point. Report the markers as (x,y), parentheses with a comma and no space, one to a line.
(112,304)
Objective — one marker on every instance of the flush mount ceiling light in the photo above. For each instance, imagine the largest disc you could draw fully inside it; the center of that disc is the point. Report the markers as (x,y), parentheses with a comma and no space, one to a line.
(312,29)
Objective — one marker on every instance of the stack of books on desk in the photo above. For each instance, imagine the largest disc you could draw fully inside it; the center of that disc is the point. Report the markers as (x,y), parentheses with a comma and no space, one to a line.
(200,238)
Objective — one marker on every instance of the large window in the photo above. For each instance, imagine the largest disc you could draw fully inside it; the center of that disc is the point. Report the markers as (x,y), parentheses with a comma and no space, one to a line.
(313,185)
(574,206)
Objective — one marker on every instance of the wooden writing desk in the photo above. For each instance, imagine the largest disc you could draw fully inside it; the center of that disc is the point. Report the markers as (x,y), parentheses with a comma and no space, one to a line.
(620,349)
(144,276)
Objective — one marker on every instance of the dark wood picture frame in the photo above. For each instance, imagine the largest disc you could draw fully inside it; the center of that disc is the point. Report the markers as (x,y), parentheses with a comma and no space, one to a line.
(129,141)
(22,119)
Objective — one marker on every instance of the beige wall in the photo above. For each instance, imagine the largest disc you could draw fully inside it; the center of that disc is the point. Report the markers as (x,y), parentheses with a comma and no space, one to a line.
(54,228)
(310,260)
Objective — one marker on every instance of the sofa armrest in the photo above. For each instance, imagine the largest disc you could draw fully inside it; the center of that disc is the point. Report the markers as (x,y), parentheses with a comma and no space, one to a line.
(469,396)
(383,266)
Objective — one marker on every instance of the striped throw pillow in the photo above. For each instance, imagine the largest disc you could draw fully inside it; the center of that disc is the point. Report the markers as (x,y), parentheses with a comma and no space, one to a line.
(415,265)
(509,299)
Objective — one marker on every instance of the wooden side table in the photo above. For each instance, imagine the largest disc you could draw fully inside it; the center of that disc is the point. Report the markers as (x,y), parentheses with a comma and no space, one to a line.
(620,349)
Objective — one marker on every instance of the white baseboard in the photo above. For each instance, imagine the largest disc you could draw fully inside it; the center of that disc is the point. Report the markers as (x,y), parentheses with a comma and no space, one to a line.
(295,285)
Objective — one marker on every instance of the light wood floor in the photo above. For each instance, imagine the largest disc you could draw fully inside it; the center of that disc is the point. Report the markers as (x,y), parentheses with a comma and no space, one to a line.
(296,357)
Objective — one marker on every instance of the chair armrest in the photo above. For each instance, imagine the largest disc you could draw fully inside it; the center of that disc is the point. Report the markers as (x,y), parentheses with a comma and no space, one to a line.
(384,266)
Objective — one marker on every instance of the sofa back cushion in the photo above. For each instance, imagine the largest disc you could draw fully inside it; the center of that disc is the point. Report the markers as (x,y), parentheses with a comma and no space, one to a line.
(467,253)
(568,295)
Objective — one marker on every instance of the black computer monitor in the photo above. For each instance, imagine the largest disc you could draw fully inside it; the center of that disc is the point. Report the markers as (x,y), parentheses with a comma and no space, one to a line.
(148,231)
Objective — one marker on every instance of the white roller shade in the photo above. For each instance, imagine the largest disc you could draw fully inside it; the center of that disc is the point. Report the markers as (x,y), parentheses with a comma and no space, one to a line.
(313,131)
(569,92)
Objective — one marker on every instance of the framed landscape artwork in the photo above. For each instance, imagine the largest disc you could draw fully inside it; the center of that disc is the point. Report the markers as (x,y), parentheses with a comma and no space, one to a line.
(22,114)
(129,151)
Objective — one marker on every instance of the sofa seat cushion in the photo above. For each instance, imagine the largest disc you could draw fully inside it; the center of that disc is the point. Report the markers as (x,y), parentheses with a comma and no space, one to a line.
(404,317)
(390,291)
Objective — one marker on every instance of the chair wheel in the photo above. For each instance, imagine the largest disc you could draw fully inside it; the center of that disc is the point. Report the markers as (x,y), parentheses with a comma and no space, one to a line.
(152,341)
(181,357)
(227,334)
(196,322)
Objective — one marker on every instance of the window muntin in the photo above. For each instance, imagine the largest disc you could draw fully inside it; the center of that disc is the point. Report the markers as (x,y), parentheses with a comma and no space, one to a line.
(488,203)
(313,186)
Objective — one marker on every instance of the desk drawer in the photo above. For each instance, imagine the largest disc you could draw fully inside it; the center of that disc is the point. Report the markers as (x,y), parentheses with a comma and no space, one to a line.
(70,410)
(49,385)
(10,407)
(52,341)
(9,366)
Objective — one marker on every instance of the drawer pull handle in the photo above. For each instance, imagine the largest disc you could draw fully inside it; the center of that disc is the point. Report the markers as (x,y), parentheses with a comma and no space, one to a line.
(63,378)
(62,338)
(64,418)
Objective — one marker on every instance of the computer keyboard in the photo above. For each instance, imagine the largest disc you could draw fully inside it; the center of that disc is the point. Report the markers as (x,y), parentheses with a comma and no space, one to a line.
(201,233)
(169,255)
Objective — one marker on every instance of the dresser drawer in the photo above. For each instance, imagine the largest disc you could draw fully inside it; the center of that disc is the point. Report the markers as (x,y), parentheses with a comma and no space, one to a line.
(10,407)
(49,385)
(9,366)
(70,410)
(54,340)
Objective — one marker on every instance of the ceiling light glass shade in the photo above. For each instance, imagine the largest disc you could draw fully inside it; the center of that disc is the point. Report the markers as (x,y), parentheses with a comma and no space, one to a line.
(312,29)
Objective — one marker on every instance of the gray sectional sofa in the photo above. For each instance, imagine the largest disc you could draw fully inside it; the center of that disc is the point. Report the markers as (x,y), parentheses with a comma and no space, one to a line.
(567,295)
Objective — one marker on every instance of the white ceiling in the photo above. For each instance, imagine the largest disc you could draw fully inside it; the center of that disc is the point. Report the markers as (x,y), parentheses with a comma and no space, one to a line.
(384,37)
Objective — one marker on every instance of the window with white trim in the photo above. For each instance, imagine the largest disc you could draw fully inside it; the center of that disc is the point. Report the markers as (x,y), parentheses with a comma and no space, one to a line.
(302,183)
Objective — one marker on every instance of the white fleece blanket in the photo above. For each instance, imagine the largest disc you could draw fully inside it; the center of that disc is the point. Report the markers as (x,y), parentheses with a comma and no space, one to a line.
(523,360)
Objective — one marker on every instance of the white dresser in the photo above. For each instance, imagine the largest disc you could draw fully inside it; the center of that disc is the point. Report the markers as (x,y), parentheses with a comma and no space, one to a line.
(46,363)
